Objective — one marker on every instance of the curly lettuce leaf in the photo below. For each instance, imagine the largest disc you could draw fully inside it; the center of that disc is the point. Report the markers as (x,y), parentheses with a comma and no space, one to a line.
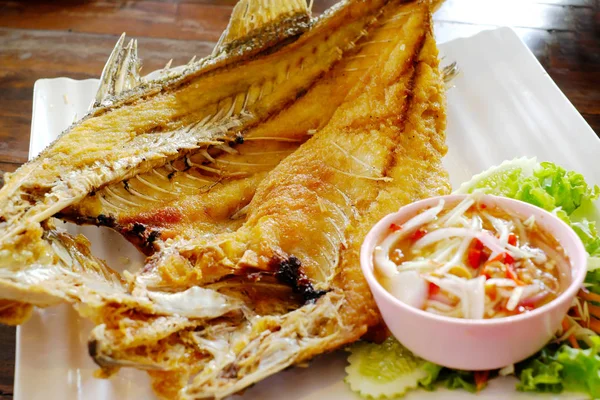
(592,278)
(581,368)
(547,186)
(567,189)
(503,183)
(455,379)
(540,373)
(502,180)
(431,379)
(588,233)
(570,369)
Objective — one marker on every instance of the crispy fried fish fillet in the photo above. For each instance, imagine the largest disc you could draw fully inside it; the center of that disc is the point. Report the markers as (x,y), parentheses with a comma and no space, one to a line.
(254,26)
(69,273)
(264,23)
(210,103)
(381,149)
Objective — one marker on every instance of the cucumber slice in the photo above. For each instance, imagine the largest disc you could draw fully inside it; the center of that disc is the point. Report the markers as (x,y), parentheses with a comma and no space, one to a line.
(383,371)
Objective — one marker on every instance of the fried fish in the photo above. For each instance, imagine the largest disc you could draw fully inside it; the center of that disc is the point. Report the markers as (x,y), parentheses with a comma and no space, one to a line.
(381,149)
(250,178)
(146,128)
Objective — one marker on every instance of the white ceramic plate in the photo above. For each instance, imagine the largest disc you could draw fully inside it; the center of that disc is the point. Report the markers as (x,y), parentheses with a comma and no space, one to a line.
(503,105)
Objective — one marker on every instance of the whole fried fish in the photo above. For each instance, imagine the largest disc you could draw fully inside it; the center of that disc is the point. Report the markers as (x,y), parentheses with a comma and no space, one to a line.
(251,178)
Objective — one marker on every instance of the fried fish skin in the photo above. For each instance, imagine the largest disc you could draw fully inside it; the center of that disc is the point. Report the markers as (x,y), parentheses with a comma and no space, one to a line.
(271,22)
(380,150)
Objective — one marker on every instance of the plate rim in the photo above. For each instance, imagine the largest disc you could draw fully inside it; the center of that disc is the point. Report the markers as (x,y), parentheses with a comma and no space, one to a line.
(507,32)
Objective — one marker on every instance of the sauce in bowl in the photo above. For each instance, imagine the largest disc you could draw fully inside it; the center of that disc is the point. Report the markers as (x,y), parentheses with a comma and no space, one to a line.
(468,260)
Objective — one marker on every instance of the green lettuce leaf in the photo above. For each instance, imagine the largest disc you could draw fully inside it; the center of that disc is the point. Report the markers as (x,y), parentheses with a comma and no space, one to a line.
(592,279)
(450,378)
(433,372)
(567,189)
(581,368)
(587,232)
(554,370)
(547,186)
(503,183)
(540,373)
(566,194)
(456,379)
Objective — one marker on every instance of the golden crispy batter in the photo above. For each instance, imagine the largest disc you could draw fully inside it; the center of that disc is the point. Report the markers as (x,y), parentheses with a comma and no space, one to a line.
(316,193)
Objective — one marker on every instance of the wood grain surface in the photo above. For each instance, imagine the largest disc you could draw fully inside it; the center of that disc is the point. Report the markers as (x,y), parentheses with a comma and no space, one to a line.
(47,39)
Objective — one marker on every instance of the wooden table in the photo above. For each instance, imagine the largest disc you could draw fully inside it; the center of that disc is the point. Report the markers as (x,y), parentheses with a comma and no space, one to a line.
(74,37)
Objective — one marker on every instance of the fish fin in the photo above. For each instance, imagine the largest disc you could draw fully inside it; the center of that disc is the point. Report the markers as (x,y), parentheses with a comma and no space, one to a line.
(255,25)
(263,23)
(121,72)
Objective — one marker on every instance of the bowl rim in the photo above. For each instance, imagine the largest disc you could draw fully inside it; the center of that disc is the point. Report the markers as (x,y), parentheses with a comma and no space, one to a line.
(575,254)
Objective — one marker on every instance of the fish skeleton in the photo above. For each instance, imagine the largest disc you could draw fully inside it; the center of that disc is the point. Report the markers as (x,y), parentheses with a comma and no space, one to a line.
(252,203)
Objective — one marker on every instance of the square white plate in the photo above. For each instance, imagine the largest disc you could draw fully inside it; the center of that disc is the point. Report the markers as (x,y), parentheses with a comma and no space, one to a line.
(503,105)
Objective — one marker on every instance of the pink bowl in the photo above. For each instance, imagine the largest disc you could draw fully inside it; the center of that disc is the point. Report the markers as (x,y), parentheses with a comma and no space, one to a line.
(475,344)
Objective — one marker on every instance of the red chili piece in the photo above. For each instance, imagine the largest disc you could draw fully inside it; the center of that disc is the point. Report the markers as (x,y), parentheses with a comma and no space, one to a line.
(475,254)
(433,289)
(395,227)
(419,233)
(474,257)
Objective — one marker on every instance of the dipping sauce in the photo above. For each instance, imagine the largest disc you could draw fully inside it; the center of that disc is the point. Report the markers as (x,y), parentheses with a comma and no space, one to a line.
(468,260)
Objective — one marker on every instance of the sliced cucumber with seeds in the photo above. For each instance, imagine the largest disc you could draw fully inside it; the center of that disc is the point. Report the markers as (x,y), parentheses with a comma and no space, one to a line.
(383,371)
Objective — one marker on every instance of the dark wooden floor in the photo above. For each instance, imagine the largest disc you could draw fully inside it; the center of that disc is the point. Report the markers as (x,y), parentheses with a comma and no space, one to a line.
(45,39)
